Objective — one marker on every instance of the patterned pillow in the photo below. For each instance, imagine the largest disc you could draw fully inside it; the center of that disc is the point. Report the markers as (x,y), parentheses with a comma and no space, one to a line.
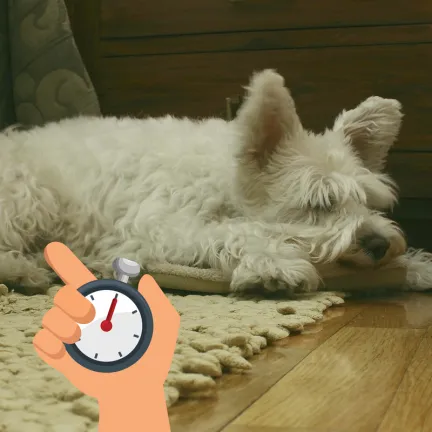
(49,79)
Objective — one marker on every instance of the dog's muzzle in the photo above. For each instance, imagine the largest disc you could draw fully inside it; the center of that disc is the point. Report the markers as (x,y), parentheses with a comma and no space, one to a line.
(375,246)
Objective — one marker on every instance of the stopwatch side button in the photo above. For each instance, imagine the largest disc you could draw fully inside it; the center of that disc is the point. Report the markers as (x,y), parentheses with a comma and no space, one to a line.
(125,269)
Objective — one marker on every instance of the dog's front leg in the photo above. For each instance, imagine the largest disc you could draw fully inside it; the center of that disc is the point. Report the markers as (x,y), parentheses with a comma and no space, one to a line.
(257,254)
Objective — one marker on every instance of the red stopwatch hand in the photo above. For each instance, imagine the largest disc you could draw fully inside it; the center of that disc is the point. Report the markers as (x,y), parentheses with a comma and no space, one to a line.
(106,324)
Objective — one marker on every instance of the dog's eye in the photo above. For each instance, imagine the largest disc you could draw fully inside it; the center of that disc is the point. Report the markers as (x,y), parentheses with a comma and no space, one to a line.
(326,204)
(322,208)
(332,203)
(329,207)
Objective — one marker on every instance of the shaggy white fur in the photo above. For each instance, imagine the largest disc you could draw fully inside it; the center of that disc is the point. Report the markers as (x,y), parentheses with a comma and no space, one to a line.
(260,197)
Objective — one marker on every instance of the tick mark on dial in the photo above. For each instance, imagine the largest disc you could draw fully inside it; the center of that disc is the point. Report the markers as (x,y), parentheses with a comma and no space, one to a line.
(136,336)
(116,295)
(120,354)
(92,297)
(135,311)
(96,356)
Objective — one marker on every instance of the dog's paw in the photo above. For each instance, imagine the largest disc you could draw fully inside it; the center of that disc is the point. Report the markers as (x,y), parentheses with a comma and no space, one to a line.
(419,269)
(291,276)
(37,281)
(275,285)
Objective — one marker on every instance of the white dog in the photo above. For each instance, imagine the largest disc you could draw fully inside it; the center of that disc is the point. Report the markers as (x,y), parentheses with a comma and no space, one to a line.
(259,197)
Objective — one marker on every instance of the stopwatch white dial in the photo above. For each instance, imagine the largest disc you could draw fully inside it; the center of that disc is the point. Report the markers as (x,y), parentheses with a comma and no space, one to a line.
(124,333)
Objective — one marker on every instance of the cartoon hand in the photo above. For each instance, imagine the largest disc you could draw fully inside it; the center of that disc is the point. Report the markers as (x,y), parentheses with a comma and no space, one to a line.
(133,393)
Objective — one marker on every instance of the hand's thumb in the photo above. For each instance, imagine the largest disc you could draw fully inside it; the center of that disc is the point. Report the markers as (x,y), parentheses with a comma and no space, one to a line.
(155,297)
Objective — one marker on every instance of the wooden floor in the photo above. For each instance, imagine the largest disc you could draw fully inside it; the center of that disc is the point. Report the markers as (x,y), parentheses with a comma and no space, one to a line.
(367,367)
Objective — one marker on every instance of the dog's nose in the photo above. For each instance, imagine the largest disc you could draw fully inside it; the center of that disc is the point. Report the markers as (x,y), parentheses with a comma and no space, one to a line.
(375,246)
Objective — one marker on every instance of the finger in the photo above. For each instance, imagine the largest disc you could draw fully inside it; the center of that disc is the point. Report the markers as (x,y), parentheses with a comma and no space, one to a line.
(74,304)
(61,325)
(53,352)
(156,298)
(67,266)
(49,345)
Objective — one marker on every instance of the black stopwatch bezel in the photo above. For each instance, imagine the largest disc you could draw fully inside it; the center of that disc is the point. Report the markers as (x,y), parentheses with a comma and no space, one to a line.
(146,335)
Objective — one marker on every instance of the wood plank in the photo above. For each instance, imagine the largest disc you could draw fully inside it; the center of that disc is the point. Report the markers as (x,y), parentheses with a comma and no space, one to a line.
(411,409)
(415,218)
(418,232)
(132,18)
(412,208)
(85,19)
(267,40)
(323,81)
(70,7)
(412,172)
(7,105)
(405,310)
(237,392)
(239,428)
(350,379)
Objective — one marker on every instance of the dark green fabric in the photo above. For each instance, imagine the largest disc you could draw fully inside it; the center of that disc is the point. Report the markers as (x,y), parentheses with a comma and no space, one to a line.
(44,72)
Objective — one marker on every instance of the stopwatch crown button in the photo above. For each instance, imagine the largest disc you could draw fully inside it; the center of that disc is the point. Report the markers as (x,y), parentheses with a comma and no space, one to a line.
(125,268)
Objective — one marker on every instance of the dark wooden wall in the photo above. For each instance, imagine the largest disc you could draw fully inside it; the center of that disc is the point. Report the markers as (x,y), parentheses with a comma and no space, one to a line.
(187,57)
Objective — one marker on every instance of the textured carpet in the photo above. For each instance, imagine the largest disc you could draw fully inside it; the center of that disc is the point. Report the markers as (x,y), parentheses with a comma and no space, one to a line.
(218,335)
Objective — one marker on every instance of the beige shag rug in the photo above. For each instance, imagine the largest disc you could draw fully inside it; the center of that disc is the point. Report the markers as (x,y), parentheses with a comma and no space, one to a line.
(218,335)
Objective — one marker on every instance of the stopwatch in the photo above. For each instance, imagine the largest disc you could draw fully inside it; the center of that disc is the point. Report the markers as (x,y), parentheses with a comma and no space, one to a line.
(122,328)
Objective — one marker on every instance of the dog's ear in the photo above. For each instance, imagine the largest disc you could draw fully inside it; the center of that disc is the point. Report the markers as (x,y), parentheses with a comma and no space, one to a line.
(266,119)
(372,128)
